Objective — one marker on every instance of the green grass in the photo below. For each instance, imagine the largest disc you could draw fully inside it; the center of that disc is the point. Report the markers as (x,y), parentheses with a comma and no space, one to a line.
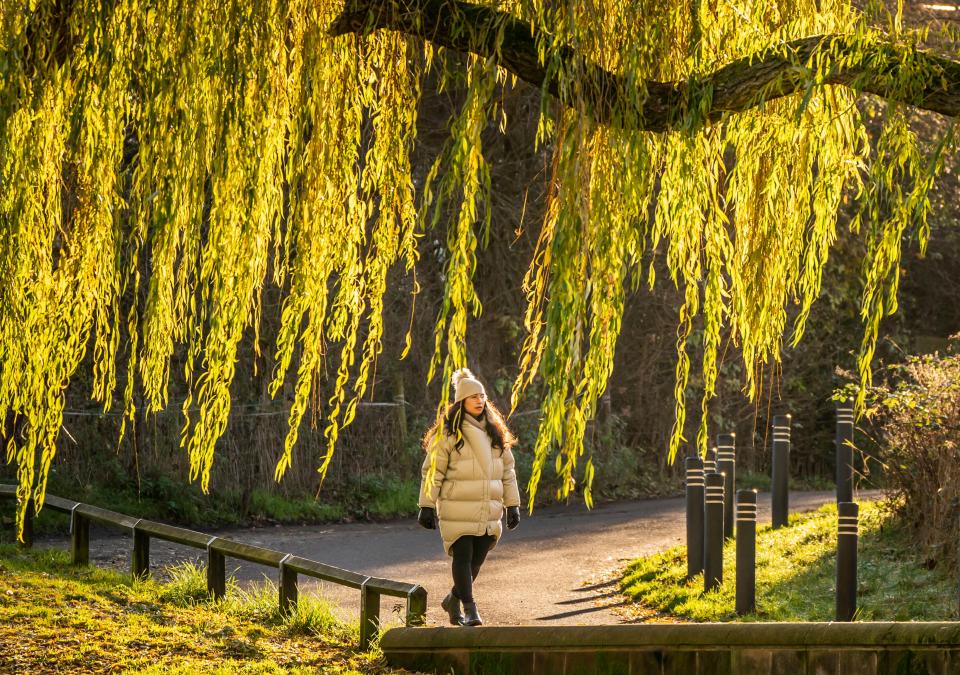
(395,497)
(169,501)
(747,480)
(796,568)
(55,617)
(269,506)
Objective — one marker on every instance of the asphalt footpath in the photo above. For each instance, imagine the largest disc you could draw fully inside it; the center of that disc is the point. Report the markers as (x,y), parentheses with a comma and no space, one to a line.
(559,567)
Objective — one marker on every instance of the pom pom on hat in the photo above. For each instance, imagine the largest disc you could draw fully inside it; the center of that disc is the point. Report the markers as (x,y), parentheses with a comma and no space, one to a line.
(465,384)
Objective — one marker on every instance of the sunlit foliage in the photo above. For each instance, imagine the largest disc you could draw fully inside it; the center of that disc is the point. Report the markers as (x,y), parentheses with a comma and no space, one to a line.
(185,154)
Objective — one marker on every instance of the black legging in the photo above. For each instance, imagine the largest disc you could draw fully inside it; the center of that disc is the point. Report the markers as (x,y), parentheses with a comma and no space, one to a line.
(469,552)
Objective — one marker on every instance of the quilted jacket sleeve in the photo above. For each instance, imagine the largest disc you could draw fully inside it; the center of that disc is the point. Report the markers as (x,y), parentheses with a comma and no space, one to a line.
(429,493)
(511,492)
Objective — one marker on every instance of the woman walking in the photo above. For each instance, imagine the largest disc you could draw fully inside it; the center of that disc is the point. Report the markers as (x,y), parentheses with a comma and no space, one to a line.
(473,482)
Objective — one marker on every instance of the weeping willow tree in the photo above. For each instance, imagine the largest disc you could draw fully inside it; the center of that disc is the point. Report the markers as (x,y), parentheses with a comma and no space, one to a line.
(193,152)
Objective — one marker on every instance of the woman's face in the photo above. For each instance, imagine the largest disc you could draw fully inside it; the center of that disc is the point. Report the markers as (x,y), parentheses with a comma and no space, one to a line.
(474,404)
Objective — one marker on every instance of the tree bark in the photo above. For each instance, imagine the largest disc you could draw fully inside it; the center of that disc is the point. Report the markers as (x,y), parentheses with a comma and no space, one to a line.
(933,82)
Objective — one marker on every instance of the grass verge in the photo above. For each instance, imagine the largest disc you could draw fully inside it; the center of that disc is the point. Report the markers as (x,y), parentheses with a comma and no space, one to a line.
(55,617)
(796,568)
(747,480)
(169,501)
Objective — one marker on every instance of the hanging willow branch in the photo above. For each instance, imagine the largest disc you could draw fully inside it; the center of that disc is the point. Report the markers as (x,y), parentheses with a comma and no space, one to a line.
(273,144)
(736,87)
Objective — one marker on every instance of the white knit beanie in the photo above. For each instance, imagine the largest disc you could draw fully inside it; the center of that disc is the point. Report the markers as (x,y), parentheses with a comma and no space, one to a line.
(465,384)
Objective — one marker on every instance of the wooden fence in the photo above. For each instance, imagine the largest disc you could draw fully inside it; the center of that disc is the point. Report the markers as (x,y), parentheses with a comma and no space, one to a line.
(218,550)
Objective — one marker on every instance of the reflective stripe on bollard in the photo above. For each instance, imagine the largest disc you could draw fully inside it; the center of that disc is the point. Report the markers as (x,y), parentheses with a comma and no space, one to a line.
(844,452)
(847,535)
(710,461)
(780,479)
(727,465)
(746,592)
(713,532)
(695,484)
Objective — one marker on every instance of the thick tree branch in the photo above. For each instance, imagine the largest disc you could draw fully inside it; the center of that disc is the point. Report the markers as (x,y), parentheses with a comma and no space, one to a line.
(932,84)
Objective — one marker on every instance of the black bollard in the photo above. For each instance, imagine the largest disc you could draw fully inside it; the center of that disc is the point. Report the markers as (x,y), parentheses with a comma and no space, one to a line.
(727,465)
(844,443)
(746,551)
(710,461)
(713,532)
(780,480)
(694,471)
(847,513)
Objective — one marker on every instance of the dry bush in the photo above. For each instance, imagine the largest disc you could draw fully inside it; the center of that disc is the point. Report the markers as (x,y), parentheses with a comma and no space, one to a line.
(916,417)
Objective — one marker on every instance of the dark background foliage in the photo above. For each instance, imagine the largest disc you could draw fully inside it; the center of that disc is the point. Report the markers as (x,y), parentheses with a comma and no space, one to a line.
(378,457)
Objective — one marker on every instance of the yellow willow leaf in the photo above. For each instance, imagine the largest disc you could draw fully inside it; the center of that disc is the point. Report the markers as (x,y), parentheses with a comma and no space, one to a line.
(163,162)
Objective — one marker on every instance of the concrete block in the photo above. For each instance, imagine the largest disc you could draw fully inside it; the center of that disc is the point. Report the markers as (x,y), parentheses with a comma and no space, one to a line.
(715,662)
(501,663)
(953,660)
(823,662)
(549,663)
(937,662)
(901,662)
(446,661)
(788,661)
(752,662)
(610,663)
(580,663)
(680,662)
(647,662)
(454,661)
(858,661)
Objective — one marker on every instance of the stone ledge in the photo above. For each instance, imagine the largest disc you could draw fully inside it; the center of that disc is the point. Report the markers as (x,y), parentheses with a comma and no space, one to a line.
(681,649)
(720,635)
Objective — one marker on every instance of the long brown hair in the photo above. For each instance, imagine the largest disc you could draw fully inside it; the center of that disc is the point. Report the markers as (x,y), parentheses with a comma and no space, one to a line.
(452,421)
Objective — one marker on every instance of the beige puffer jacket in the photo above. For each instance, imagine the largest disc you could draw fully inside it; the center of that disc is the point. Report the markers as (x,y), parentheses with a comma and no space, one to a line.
(471,486)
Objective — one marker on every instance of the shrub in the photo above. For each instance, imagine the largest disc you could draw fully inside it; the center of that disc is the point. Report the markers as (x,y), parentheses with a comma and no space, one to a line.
(915,415)
(313,614)
(188,585)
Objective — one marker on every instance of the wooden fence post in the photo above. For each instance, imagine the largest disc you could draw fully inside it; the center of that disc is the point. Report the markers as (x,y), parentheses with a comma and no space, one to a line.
(417,607)
(216,572)
(79,538)
(288,588)
(140,560)
(369,614)
(218,549)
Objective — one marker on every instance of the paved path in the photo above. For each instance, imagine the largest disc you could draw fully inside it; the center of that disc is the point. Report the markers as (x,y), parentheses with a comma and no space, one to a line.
(558,567)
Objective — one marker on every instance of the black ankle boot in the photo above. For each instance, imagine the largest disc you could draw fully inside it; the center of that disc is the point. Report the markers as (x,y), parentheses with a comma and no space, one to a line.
(471,617)
(451,604)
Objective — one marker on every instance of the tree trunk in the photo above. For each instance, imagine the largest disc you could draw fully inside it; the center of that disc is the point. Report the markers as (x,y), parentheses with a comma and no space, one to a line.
(933,82)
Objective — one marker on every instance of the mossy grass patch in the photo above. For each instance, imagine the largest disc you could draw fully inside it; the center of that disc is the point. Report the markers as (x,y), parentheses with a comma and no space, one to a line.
(796,575)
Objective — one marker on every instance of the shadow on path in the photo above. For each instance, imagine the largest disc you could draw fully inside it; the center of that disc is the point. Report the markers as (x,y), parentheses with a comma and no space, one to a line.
(559,557)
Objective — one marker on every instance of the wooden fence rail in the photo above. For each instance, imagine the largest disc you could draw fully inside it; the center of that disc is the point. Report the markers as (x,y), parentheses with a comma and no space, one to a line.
(218,549)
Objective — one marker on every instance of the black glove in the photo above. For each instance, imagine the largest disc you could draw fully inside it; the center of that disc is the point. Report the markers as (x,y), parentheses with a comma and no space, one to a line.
(513,517)
(427,517)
